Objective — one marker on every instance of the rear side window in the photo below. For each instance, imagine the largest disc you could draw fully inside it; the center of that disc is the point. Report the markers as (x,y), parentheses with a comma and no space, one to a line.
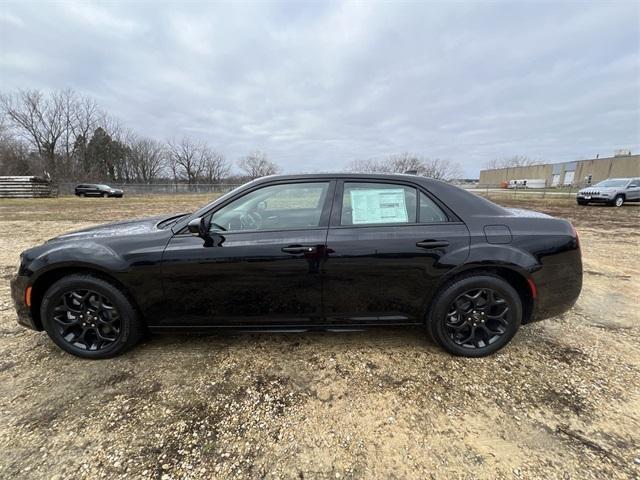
(377,203)
(429,211)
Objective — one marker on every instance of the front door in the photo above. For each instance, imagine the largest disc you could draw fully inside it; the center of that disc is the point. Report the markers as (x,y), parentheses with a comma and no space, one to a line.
(388,245)
(263,267)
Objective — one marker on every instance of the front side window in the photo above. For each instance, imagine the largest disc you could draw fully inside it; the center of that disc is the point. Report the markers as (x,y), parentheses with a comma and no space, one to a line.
(611,183)
(287,206)
(377,203)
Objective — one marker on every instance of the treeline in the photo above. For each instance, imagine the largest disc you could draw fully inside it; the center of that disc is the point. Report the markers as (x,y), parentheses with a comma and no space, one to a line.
(68,137)
(408,162)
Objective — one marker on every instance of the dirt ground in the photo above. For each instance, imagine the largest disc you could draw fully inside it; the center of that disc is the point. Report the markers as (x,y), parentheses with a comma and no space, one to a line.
(562,401)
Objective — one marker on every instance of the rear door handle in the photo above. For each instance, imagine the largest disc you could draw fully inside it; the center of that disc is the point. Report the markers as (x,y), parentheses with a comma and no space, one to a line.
(298,249)
(432,244)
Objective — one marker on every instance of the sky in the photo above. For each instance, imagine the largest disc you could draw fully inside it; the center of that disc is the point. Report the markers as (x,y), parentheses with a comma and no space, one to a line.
(318,84)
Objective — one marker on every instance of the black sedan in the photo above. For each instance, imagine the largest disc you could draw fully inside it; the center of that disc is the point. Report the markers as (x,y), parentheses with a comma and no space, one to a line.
(306,252)
(97,190)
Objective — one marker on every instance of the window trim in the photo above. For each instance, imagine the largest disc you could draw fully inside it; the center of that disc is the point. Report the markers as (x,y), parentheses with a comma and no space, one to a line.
(336,213)
(324,215)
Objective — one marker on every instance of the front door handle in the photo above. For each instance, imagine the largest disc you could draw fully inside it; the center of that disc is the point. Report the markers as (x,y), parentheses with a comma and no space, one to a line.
(298,249)
(432,244)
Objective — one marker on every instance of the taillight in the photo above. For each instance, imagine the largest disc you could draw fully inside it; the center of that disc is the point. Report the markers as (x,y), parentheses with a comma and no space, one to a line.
(575,234)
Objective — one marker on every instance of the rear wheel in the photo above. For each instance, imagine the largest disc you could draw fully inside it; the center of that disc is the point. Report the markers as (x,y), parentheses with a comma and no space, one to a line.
(89,317)
(475,315)
(81,195)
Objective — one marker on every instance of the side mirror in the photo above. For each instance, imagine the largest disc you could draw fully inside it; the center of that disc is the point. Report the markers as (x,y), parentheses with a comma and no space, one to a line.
(199,227)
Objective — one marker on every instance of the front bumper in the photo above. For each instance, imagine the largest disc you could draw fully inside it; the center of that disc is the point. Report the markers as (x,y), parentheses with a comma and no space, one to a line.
(18,287)
(594,199)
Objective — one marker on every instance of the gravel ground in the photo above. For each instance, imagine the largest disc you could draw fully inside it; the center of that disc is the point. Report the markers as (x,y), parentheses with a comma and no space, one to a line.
(562,401)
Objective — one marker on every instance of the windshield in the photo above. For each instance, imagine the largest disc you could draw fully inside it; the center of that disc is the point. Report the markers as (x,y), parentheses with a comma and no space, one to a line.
(612,183)
(104,186)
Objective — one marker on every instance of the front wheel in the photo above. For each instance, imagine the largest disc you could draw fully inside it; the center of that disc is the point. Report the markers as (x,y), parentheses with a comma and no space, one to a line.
(618,201)
(475,316)
(582,202)
(89,317)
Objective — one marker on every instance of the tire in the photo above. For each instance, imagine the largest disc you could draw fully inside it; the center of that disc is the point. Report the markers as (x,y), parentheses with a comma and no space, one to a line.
(105,195)
(618,201)
(81,195)
(68,320)
(463,329)
(583,202)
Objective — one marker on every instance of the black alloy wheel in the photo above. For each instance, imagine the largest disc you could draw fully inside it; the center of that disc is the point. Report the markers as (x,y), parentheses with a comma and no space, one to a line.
(475,315)
(477,318)
(87,320)
(89,317)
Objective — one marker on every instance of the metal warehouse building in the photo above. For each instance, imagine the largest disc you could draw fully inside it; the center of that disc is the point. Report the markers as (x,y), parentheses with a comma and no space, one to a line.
(568,173)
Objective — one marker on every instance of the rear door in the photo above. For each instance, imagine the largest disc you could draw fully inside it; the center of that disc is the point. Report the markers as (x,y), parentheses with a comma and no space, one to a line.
(388,245)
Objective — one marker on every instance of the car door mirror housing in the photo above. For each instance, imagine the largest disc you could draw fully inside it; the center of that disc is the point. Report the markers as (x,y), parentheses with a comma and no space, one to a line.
(199,227)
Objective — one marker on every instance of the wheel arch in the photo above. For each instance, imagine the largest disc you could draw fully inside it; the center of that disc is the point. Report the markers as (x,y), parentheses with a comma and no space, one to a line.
(48,278)
(517,279)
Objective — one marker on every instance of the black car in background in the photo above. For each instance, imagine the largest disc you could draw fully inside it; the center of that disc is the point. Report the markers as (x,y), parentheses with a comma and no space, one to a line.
(97,190)
(306,252)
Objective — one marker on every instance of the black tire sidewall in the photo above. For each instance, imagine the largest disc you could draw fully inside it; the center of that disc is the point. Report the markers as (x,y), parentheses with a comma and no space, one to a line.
(129,321)
(439,310)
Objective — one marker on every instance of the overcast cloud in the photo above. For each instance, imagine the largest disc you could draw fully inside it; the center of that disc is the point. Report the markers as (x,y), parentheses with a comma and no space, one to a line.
(316,85)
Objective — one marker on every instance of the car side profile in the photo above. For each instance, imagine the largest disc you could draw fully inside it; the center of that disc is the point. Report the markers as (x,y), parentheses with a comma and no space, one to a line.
(97,190)
(612,191)
(307,252)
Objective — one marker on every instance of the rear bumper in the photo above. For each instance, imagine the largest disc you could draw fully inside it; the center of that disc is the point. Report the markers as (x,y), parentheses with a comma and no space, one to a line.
(18,287)
(558,289)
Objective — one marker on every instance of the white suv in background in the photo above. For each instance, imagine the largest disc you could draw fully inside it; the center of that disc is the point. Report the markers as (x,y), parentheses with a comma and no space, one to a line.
(613,191)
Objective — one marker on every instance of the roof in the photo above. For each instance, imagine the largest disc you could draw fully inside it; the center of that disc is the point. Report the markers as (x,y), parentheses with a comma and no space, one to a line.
(359,176)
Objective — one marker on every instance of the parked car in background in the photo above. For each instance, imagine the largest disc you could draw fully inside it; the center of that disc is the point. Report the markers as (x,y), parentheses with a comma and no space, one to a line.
(97,190)
(612,191)
(307,252)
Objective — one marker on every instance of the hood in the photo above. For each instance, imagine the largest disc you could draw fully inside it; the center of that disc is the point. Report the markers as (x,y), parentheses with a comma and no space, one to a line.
(128,227)
(521,212)
(600,189)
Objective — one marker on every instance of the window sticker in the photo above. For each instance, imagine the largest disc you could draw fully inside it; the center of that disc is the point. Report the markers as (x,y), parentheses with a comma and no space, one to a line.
(384,205)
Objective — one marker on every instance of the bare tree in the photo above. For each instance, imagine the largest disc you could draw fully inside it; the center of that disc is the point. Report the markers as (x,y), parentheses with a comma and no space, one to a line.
(370,165)
(403,162)
(15,158)
(39,119)
(256,164)
(214,166)
(514,161)
(186,158)
(146,159)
